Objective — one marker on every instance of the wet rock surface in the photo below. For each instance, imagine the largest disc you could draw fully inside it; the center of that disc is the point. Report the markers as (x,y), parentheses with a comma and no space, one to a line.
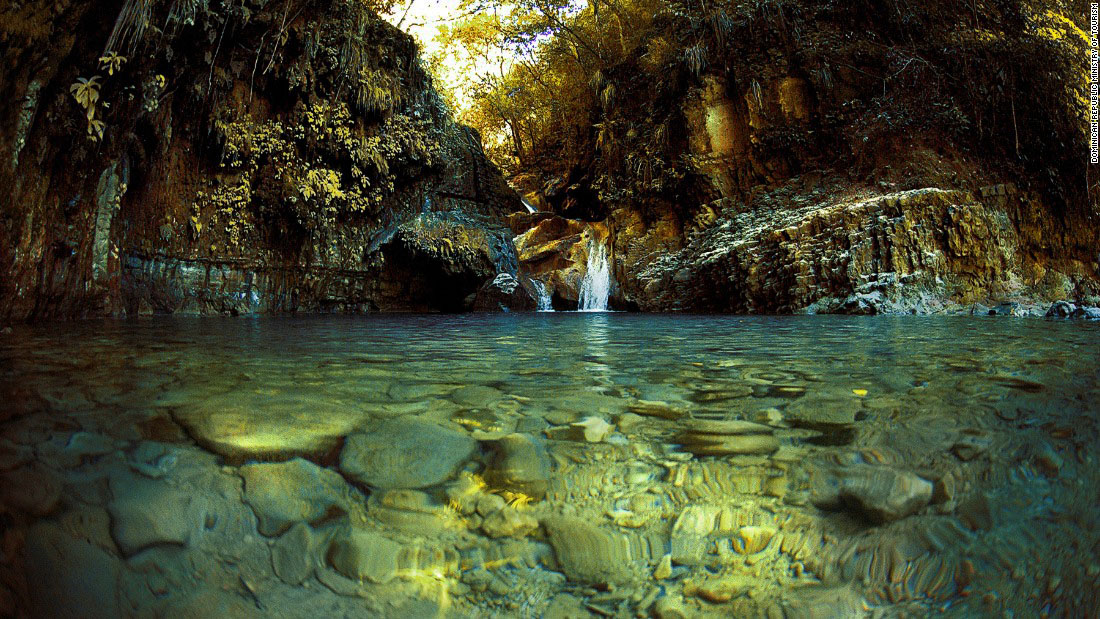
(923,251)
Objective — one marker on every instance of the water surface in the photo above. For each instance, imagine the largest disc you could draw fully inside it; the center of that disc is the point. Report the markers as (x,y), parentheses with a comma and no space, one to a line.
(576,463)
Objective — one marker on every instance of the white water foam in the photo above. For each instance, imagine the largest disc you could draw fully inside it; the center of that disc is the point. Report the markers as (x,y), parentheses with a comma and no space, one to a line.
(596,285)
(544,302)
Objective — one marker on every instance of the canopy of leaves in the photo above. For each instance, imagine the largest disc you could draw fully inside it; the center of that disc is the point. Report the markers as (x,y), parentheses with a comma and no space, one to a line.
(585,101)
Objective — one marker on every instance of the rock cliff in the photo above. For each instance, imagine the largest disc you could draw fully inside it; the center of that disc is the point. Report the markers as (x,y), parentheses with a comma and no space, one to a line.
(921,251)
(197,156)
(841,157)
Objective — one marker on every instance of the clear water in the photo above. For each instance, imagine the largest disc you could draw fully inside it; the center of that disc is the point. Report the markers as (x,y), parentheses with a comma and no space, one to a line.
(998,415)
(596,285)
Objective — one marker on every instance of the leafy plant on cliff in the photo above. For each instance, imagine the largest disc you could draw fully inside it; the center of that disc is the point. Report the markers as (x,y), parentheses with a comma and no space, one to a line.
(111,62)
(316,168)
(1001,80)
(86,92)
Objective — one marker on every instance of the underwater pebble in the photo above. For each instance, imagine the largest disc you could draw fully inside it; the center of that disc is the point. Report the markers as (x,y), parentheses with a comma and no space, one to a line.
(722,589)
(752,539)
(671,607)
(588,553)
(476,395)
(509,522)
(718,445)
(664,568)
(292,554)
(655,408)
(595,429)
(490,503)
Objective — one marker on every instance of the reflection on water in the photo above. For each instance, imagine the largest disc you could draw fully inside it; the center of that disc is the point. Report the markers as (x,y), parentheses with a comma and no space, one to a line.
(551,464)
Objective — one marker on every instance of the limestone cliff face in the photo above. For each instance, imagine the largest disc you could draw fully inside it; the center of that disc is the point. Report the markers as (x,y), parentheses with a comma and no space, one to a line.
(851,159)
(929,230)
(921,251)
(189,156)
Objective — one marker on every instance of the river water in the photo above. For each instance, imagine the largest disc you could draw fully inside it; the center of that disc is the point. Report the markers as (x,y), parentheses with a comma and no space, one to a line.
(552,465)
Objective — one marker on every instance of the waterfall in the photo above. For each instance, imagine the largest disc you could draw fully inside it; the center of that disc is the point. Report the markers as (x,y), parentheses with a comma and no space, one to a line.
(530,207)
(596,286)
(544,296)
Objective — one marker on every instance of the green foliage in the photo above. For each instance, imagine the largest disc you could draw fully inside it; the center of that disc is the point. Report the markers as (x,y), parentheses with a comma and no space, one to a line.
(111,62)
(315,168)
(576,108)
(86,92)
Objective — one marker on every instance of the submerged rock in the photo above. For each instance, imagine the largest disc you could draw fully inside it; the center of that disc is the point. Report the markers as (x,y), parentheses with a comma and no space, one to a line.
(520,464)
(243,426)
(690,539)
(295,491)
(70,576)
(722,589)
(591,554)
(752,539)
(147,513)
(31,489)
(292,554)
(718,445)
(823,408)
(595,429)
(13,456)
(509,522)
(705,437)
(411,511)
(405,453)
(476,396)
(656,408)
(877,493)
(359,554)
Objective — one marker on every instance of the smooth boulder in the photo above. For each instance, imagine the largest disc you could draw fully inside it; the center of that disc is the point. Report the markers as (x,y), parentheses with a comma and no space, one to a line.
(405,453)
(282,493)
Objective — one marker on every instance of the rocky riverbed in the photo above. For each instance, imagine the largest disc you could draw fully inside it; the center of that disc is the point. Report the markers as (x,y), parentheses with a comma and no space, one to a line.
(158,468)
